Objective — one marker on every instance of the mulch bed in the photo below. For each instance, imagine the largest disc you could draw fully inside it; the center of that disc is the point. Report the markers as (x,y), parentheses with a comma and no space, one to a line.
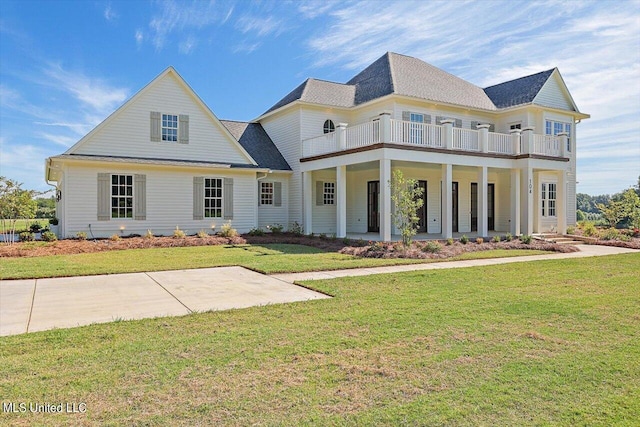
(360,248)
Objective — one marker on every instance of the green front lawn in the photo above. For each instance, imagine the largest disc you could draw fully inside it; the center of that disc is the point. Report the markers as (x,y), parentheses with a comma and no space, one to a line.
(272,258)
(24,224)
(540,343)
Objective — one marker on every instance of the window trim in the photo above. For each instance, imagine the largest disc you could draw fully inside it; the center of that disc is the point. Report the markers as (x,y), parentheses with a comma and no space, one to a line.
(549,204)
(212,198)
(119,196)
(554,127)
(267,197)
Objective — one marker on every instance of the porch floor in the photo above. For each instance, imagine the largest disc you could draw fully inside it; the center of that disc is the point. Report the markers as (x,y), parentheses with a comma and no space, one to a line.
(374,237)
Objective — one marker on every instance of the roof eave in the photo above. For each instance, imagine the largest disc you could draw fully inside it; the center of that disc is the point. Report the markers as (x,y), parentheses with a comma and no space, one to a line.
(576,113)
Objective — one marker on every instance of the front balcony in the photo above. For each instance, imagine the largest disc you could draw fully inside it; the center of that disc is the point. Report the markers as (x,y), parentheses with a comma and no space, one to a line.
(445,137)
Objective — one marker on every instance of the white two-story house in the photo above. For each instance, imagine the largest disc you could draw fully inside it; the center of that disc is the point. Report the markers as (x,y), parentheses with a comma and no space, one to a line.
(498,159)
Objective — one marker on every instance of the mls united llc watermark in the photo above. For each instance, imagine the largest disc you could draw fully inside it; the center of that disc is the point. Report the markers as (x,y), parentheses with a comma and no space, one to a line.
(44,408)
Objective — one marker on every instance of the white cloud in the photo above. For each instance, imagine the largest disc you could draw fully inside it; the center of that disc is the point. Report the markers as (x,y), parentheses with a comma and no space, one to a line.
(139,36)
(260,25)
(109,13)
(187,45)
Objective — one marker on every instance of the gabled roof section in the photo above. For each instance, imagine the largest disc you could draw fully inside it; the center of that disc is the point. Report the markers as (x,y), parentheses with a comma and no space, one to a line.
(168,71)
(519,91)
(255,140)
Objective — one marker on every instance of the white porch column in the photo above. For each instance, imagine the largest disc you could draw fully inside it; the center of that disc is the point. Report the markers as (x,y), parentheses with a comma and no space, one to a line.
(483,215)
(385,127)
(448,133)
(447,201)
(385,200)
(484,139)
(341,135)
(341,205)
(561,201)
(528,208)
(564,138)
(515,202)
(515,141)
(527,140)
(307,197)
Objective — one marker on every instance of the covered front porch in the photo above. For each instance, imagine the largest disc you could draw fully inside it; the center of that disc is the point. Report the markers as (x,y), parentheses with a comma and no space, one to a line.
(349,195)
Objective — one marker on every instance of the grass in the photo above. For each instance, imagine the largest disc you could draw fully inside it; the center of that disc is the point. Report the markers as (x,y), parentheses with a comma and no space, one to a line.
(23,224)
(544,343)
(272,258)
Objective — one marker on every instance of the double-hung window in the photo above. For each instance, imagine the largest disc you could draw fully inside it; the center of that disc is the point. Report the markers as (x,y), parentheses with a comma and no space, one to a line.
(329,193)
(266,193)
(548,198)
(121,196)
(554,128)
(213,198)
(169,127)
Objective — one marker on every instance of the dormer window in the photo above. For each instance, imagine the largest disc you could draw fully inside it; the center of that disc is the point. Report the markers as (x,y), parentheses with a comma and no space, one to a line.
(328,126)
(169,127)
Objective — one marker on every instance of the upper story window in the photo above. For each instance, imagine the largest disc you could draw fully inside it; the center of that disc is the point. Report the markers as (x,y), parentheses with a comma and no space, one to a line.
(169,127)
(553,128)
(328,126)
(515,126)
(121,196)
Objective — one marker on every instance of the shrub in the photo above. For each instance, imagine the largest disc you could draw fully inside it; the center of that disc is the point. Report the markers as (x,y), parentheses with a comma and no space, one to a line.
(202,234)
(571,230)
(53,221)
(296,228)
(48,236)
(432,247)
(526,239)
(464,239)
(580,216)
(114,237)
(589,229)
(449,241)
(179,234)
(275,228)
(35,227)
(26,236)
(256,232)
(496,239)
(148,235)
(81,235)
(610,234)
(228,231)
(346,241)
(508,237)
(323,236)
(479,240)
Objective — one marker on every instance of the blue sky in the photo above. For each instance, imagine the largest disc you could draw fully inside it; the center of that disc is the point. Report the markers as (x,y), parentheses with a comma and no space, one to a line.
(66,65)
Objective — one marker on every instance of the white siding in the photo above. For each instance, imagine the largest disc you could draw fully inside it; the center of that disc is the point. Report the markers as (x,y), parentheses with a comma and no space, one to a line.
(324,216)
(270,214)
(284,131)
(553,95)
(357,198)
(128,132)
(169,201)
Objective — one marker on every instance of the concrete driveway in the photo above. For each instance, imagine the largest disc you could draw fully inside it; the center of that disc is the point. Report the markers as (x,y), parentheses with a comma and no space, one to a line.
(42,304)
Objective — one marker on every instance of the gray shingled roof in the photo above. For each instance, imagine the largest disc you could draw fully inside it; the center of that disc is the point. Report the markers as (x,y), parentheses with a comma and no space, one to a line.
(257,143)
(319,92)
(519,91)
(398,74)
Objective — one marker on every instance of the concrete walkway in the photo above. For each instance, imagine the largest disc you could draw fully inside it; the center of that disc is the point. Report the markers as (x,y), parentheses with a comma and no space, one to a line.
(585,251)
(42,304)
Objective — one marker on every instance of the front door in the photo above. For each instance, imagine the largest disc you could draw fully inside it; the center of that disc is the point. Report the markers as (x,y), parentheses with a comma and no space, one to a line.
(422,212)
(373,206)
(454,207)
(491,190)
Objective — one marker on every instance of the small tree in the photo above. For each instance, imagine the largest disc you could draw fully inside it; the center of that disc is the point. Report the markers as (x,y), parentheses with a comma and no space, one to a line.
(407,197)
(613,212)
(624,206)
(15,203)
(631,202)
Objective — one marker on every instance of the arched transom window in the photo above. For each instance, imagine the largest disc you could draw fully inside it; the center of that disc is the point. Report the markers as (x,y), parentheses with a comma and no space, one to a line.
(328,126)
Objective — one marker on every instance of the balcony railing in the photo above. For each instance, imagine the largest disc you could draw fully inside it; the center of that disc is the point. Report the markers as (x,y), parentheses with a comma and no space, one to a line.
(431,136)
